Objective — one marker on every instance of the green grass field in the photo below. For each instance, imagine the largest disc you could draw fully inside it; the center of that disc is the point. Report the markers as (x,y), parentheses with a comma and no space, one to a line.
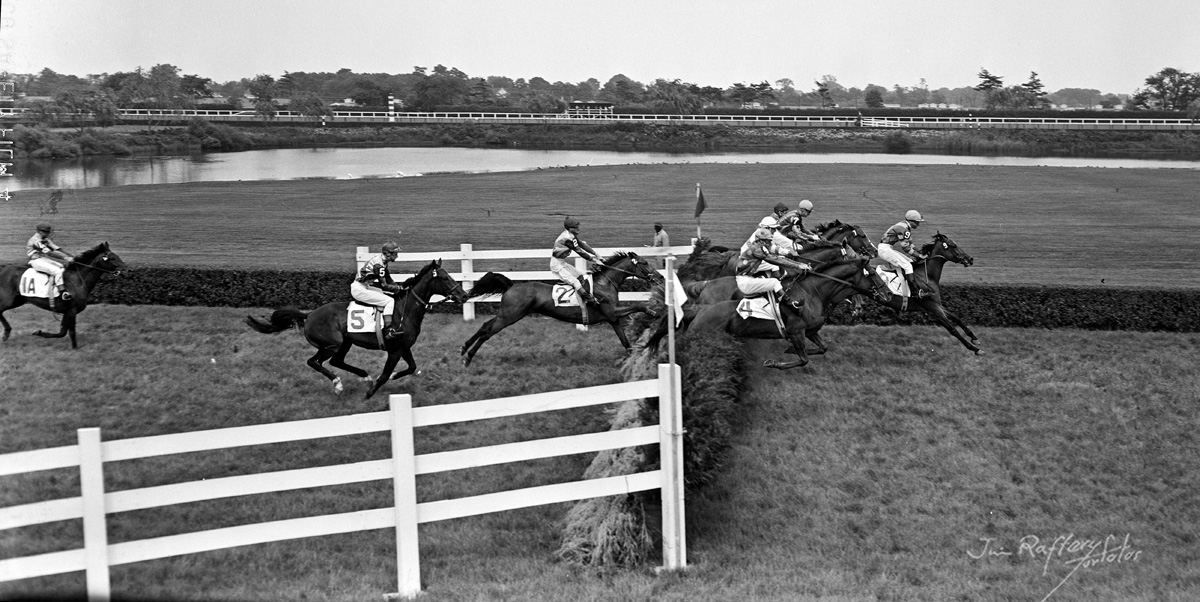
(1026,225)
(872,474)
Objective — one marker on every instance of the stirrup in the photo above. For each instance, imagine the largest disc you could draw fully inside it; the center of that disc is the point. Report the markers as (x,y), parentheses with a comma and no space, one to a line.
(66,296)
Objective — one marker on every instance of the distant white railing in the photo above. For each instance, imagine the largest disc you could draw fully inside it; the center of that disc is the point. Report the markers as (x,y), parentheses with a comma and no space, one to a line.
(94,504)
(468,275)
(1055,120)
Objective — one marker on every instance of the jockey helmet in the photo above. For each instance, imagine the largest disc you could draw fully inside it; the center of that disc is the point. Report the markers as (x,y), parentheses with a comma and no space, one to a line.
(780,207)
(806,205)
(762,234)
(391,248)
(768,222)
(45,228)
(913,216)
(570,222)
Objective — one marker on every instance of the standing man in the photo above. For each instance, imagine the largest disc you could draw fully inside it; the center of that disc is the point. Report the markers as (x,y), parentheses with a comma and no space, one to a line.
(661,239)
(47,257)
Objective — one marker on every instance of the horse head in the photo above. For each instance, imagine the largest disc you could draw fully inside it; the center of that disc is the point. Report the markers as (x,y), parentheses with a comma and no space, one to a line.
(101,258)
(445,285)
(628,263)
(942,246)
(849,234)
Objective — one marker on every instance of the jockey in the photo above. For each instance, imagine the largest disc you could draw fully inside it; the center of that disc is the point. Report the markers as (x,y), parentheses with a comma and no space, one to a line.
(896,248)
(373,280)
(757,261)
(47,257)
(567,242)
(792,223)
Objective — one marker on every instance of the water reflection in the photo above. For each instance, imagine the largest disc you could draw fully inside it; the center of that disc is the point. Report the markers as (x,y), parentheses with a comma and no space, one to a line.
(340,163)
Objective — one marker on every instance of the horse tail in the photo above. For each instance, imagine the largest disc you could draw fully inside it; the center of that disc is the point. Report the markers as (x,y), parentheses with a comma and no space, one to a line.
(490,283)
(281,320)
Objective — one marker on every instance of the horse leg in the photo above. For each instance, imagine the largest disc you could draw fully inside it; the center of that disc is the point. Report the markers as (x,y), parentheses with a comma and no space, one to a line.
(67,326)
(339,361)
(407,356)
(939,314)
(7,326)
(617,328)
(485,332)
(385,374)
(797,341)
(815,337)
(622,312)
(315,362)
(963,325)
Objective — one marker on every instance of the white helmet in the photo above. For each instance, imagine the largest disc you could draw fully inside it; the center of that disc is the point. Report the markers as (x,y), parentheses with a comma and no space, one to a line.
(913,216)
(767,222)
(806,204)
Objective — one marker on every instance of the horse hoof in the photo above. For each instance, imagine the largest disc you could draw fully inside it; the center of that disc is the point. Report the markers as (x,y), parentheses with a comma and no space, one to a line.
(975,342)
(366,379)
(978,352)
(337,386)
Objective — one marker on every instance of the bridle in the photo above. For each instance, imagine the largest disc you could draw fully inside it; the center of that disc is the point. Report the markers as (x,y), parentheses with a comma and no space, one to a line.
(103,257)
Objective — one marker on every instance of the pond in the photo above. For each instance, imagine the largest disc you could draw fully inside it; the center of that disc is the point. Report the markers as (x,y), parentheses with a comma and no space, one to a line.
(349,163)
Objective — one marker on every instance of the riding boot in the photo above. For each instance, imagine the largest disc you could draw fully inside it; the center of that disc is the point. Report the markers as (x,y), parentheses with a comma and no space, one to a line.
(586,296)
(913,289)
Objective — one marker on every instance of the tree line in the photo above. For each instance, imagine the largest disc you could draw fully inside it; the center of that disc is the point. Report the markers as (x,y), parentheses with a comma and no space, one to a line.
(443,88)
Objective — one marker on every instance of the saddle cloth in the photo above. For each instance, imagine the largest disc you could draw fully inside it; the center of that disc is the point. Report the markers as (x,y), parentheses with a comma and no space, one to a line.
(891,276)
(35,284)
(365,318)
(756,307)
(564,294)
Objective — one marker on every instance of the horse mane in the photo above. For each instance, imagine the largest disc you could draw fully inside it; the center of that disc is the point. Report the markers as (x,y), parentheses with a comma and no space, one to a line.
(86,257)
(425,270)
(927,248)
(612,260)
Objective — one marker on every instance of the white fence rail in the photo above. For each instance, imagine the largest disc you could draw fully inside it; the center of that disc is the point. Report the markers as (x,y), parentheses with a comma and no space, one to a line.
(93,504)
(468,273)
(1053,121)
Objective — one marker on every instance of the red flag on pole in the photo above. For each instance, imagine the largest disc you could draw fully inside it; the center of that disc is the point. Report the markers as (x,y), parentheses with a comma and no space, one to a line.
(699,201)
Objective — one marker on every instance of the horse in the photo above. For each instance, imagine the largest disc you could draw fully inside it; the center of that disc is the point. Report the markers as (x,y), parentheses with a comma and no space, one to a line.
(851,241)
(520,300)
(79,278)
(326,328)
(821,289)
(939,251)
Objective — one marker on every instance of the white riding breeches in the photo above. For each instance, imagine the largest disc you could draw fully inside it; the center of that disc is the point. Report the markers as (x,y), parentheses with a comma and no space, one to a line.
(567,273)
(896,258)
(753,286)
(49,266)
(372,296)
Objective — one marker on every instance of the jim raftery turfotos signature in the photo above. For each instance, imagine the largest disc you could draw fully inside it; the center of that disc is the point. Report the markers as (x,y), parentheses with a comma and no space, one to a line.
(1068,550)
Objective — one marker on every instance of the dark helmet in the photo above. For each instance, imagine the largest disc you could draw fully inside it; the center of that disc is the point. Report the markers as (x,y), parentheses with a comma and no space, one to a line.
(46,228)
(391,248)
(570,222)
(780,207)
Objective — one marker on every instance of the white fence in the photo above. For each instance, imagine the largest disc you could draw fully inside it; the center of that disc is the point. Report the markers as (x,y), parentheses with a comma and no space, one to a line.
(468,274)
(93,505)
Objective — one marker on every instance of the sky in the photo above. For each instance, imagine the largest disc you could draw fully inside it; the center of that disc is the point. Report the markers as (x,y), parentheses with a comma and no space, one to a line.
(1108,45)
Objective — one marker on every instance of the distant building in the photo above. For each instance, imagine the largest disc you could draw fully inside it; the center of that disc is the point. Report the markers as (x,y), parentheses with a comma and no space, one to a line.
(589,107)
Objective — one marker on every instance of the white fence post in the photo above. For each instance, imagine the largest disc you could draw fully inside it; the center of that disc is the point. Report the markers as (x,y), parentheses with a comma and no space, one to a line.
(468,267)
(670,424)
(95,530)
(404,486)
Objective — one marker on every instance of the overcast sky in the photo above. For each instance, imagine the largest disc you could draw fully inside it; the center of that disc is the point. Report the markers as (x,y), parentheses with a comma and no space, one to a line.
(1108,45)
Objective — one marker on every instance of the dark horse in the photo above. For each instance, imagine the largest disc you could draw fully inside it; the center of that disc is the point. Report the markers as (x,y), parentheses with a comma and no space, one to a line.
(822,290)
(79,278)
(848,242)
(520,300)
(325,327)
(940,250)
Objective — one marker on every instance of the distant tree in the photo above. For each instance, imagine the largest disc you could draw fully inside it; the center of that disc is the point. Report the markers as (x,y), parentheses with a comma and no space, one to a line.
(262,88)
(480,94)
(673,97)
(1033,93)
(443,88)
(99,103)
(369,93)
(823,96)
(163,86)
(309,104)
(1169,89)
(621,90)
(1194,110)
(989,82)
(873,97)
(194,87)
(1075,97)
